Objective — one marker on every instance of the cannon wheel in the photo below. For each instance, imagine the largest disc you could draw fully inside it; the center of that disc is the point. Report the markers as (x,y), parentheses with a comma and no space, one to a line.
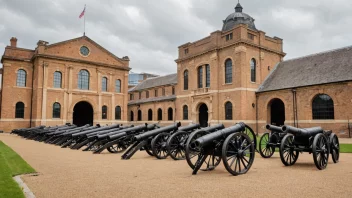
(117,148)
(159,145)
(265,150)
(149,150)
(334,147)
(321,151)
(249,131)
(211,162)
(176,145)
(288,155)
(238,153)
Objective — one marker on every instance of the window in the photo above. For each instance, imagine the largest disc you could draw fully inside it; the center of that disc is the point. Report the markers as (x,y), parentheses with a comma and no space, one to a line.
(57,79)
(250,36)
(118,113)
(139,115)
(228,71)
(323,107)
(163,91)
(185,80)
(253,70)
(200,77)
(170,114)
(147,94)
(140,95)
(83,80)
(150,115)
(21,78)
(56,110)
(160,114)
(207,76)
(131,96)
(104,84)
(19,110)
(186,51)
(185,112)
(131,116)
(118,86)
(229,37)
(228,111)
(156,93)
(173,90)
(104,112)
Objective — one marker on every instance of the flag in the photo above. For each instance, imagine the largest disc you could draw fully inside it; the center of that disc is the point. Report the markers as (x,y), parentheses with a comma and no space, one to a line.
(82,14)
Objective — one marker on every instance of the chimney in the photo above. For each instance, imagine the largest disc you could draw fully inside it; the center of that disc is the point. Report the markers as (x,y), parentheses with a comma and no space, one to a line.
(13,42)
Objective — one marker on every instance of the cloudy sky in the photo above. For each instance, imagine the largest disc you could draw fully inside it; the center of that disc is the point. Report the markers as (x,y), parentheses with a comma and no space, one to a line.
(149,31)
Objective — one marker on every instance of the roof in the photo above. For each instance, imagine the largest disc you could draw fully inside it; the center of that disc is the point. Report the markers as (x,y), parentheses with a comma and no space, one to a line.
(322,68)
(170,79)
(148,100)
(236,18)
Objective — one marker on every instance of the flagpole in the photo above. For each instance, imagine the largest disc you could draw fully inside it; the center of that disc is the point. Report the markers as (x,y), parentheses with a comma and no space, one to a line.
(84,32)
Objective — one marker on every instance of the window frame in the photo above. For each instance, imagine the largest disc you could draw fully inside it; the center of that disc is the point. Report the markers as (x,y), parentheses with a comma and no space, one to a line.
(139,115)
(185,80)
(323,111)
(118,86)
(228,71)
(160,114)
(56,111)
(185,112)
(104,109)
(19,110)
(21,78)
(170,112)
(83,79)
(150,115)
(57,80)
(253,70)
(207,76)
(200,77)
(118,113)
(104,84)
(228,111)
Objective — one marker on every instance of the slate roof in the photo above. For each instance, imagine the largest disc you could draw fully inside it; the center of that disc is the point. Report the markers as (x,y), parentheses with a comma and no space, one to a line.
(148,100)
(322,68)
(170,79)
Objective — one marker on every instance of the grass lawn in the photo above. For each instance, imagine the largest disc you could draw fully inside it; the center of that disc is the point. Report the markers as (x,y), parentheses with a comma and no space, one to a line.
(11,164)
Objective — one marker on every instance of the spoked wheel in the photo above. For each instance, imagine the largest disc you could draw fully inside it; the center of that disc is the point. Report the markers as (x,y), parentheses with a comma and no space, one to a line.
(117,148)
(159,146)
(148,149)
(288,155)
(266,150)
(176,145)
(250,133)
(193,154)
(238,153)
(321,151)
(334,147)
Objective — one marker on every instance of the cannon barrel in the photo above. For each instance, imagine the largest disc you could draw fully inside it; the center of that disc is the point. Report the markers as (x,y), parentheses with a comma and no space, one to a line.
(189,127)
(155,132)
(213,128)
(95,130)
(302,132)
(136,128)
(70,133)
(126,132)
(208,139)
(273,128)
(95,134)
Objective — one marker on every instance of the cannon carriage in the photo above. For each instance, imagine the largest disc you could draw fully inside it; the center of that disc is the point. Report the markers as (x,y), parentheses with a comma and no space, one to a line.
(312,140)
(270,140)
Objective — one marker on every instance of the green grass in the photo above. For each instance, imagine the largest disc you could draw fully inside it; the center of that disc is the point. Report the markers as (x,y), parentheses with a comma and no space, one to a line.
(11,164)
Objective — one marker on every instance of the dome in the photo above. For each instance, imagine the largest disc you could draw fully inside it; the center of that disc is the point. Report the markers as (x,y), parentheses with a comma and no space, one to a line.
(237,18)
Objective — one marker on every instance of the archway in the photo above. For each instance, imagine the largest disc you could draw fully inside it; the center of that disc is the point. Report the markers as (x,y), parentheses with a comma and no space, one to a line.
(203,115)
(83,114)
(277,112)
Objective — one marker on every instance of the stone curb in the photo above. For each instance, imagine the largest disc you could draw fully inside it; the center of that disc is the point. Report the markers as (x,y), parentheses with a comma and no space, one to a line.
(27,192)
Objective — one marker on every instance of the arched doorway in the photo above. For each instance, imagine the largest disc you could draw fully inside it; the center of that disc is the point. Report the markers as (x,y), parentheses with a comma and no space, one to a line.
(203,115)
(277,112)
(83,114)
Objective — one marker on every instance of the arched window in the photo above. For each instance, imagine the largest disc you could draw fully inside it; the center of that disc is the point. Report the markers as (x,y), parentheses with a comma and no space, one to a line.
(185,80)
(200,77)
(228,111)
(117,113)
(83,80)
(132,116)
(228,71)
(170,114)
(173,90)
(57,79)
(104,112)
(147,94)
(156,93)
(253,70)
(56,110)
(139,115)
(160,114)
(185,112)
(150,115)
(323,107)
(19,113)
(104,84)
(118,86)
(21,78)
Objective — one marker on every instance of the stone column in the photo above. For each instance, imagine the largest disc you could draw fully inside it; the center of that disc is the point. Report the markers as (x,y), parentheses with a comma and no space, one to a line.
(112,90)
(45,84)
(99,96)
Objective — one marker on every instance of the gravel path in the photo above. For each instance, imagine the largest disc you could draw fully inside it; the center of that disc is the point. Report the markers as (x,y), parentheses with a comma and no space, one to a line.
(70,173)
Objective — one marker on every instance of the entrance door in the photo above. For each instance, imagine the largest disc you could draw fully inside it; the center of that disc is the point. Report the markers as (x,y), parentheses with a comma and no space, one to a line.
(277,109)
(203,115)
(83,114)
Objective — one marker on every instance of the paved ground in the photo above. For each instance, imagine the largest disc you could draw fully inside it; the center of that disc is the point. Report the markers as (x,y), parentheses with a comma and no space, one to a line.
(69,173)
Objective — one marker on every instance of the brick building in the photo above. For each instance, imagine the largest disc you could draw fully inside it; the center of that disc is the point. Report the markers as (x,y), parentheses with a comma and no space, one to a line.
(75,81)
(238,74)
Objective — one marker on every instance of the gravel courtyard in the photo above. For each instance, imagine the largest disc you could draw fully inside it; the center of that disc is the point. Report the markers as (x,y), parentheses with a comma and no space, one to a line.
(72,173)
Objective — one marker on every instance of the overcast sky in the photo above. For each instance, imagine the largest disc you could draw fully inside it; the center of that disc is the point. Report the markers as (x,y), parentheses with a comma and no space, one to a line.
(149,31)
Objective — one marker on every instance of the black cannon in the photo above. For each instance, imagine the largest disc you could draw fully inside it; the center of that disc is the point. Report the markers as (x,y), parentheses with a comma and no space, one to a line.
(270,140)
(143,141)
(232,145)
(313,140)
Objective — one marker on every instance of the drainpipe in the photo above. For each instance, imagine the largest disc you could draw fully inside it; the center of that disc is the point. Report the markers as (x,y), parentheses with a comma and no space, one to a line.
(31,111)
(293,109)
(256,113)
(296,108)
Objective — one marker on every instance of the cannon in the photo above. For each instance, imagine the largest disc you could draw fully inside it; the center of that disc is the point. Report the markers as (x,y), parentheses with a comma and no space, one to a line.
(143,141)
(313,140)
(270,140)
(165,144)
(232,145)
